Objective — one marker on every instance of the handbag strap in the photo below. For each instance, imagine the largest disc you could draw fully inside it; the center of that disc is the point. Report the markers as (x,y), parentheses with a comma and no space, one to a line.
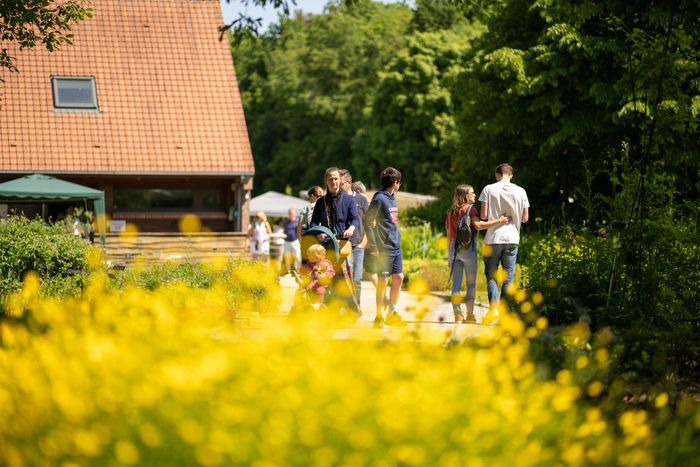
(328,216)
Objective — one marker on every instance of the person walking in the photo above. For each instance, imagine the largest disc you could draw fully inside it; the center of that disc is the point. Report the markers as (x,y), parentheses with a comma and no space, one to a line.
(502,198)
(384,246)
(292,247)
(358,239)
(462,255)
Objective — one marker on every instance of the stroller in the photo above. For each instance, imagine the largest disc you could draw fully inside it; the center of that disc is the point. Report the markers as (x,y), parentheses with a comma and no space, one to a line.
(341,294)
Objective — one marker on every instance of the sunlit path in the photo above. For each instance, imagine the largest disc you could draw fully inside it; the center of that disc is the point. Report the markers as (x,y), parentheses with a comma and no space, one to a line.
(429,317)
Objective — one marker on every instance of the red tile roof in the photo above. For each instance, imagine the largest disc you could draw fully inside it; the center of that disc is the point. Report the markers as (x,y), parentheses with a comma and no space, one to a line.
(166,87)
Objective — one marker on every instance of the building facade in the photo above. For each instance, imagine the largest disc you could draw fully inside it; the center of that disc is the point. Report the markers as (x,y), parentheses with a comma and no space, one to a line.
(144,106)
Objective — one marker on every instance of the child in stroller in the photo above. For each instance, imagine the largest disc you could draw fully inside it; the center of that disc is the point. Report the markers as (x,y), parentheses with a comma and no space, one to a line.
(316,274)
(337,285)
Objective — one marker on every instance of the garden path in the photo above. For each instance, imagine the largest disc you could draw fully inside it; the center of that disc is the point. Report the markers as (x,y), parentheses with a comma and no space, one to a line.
(436,325)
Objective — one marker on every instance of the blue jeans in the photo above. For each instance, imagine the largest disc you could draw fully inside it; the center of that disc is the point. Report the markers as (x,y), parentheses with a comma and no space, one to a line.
(464,262)
(505,254)
(358,259)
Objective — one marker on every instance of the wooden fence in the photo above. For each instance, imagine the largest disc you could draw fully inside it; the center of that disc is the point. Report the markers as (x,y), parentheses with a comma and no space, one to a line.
(156,248)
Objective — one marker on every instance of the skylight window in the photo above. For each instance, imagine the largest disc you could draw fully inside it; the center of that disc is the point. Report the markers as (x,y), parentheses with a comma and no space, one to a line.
(77,93)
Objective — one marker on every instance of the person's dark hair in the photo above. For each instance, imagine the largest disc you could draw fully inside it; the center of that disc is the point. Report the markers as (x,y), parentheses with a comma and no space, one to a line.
(505,169)
(316,191)
(345,175)
(358,187)
(389,176)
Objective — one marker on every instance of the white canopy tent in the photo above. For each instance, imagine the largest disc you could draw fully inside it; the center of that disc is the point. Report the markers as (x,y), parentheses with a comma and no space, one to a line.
(275,204)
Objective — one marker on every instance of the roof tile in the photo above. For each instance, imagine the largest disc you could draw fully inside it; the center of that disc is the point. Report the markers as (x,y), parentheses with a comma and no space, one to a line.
(166,88)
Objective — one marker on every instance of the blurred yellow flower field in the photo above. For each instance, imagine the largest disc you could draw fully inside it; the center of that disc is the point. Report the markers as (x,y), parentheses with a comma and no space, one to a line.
(180,376)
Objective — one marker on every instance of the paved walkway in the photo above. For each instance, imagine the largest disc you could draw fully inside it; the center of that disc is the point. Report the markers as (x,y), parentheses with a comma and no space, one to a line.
(437,323)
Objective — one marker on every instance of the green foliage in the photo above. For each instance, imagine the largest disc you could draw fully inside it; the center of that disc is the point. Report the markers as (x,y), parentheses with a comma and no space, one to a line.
(61,287)
(57,257)
(422,242)
(572,270)
(151,278)
(433,213)
(31,22)
(598,273)
(435,15)
(555,85)
(641,281)
(435,273)
(244,280)
(358,86)
(307,83)
(412,115)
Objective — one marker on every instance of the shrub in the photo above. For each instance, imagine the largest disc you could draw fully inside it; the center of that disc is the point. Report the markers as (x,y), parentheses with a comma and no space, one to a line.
(153,277)
(247,283)
(434,272)
(590,273)
(421,241)
(432,213)
(642,281)
(57,257)
(572,270)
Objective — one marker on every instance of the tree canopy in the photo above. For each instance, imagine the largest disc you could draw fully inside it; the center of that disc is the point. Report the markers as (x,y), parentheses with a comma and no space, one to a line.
(559,88)
(362,85)
(577,96)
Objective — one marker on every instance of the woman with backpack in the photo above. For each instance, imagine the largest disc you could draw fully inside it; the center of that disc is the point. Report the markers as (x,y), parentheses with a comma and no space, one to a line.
(462,224)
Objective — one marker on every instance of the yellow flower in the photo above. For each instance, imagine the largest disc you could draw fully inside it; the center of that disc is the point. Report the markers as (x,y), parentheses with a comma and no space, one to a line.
(661,400)
(189,223)
(126,453)
(595,388)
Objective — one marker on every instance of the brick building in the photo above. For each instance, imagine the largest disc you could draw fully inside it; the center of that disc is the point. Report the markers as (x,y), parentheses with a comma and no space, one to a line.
(144,106)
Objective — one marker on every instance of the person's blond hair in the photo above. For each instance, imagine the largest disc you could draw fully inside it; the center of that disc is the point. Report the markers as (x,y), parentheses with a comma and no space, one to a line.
(316,251)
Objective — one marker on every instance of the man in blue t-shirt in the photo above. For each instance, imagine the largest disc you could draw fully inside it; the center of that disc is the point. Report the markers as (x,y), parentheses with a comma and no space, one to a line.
(292,247)
(384,246)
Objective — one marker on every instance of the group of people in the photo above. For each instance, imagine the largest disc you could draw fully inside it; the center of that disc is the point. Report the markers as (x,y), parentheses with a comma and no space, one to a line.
(371,228)
(284,235)
(504,207)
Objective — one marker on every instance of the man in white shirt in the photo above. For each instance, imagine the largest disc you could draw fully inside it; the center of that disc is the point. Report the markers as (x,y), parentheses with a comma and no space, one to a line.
(502,198)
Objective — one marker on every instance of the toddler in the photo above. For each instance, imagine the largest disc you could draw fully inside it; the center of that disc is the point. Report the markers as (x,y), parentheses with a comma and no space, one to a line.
(317,273)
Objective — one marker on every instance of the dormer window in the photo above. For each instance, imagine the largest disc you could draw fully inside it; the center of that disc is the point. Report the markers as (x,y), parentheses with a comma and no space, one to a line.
(74,93)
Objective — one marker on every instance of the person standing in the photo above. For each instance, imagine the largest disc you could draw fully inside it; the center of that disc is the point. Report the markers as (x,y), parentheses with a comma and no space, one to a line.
(292,247)
(462,259)
(336,210)
(384,245)
(305,214)
(502,198)
(277,244)
(259,236)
